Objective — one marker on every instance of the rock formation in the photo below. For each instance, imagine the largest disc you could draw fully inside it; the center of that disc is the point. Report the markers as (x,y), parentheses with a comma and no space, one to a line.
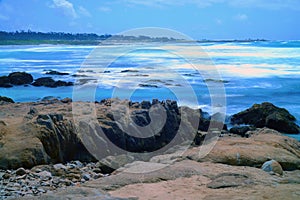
(267,115)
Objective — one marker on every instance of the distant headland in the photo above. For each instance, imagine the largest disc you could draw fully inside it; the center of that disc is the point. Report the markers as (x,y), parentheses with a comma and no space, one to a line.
(36,38)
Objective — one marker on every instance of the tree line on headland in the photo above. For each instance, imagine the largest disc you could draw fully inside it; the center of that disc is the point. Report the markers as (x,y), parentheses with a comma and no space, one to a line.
(31,37)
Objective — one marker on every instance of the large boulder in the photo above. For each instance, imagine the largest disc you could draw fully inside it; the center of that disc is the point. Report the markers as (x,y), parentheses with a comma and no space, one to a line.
(267,115)
(49,82)
(263,145)
(5,82)
(39,139)
(147,130)
(52,72)
(60,139)
(240,130)
(6,99)
(20,78)
(19,147)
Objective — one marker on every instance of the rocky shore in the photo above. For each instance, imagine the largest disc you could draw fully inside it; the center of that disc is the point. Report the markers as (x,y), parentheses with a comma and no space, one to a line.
(44,152)
(25,79)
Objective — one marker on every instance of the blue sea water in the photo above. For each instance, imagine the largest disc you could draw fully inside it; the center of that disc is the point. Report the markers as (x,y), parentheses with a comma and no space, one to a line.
(251,72)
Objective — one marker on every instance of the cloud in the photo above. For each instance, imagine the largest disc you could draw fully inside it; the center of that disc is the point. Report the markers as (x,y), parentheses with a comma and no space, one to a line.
(271,4)
(66,7)
(3,17)
(165,3)
(84,12)
(105,9)
(241,17)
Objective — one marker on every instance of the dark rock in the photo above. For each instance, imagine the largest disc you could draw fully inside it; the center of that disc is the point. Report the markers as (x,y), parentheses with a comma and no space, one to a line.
(62,83)
(66,100)
(86,177)
(267,115)
(215,80)
(145,105)
(240,130)
(79,75)
(52,72)
(148,85)
(33,111)
(5,82)
(21,171)
(2,123)
(6,175)
(50,98)
(281,122)
(141,117)
(129,70)
(6,99)
(49,82)
(44,81)
(20,78)
(155,101)
(60,139)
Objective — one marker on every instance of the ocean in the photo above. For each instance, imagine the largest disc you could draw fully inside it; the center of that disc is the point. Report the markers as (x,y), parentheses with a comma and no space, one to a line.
(231,75)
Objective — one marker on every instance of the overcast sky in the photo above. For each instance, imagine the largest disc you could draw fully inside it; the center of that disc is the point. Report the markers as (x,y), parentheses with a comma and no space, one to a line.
(199,19)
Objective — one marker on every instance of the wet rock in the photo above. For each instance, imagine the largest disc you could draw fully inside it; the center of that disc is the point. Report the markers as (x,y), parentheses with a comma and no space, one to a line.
(62,83)
(129,70)
(215,81)
(272,166)
(20,78)
(148,86)
(52,72)
(44,81)
(145,104)
(240,130)
(50,99)
(66,100)
(5,82)
(267,115)
(49,82)
(6,99)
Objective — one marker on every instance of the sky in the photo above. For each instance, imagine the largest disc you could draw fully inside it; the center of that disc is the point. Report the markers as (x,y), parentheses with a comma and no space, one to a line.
(198,19)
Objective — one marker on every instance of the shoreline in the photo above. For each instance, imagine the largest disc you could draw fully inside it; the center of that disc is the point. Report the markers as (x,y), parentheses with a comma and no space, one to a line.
(43,156)
(207,115)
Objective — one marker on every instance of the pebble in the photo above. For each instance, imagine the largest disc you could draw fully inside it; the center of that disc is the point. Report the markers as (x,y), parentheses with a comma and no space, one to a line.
(43,179)
(86,177)
(21,171)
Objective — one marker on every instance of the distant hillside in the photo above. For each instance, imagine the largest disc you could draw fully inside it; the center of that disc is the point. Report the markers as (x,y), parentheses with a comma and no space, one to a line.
(34,38)
(31,37)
